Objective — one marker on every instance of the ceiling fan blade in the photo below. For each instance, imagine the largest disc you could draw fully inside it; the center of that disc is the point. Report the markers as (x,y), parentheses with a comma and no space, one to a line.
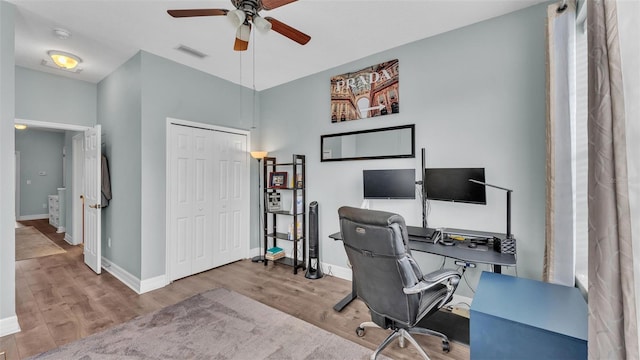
(240,45)
(242,37)
(272,4)
(197,12)
(286,30)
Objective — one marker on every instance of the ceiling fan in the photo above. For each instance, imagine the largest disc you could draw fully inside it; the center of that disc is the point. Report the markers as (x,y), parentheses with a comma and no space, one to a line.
(245,14)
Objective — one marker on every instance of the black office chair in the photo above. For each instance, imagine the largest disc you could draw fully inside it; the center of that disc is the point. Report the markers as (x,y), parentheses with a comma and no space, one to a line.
(388,279)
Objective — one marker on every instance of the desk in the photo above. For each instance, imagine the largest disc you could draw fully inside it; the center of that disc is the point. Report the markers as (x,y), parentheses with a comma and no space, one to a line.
(480,255)
(528,319)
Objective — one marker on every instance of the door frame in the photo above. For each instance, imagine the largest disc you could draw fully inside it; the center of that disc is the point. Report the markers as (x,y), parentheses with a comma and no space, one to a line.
(16,168)
(56,126)
(77,190)
(168,184)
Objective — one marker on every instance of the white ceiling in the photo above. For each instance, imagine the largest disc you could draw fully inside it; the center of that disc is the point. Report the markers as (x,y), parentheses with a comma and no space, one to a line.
(106,33)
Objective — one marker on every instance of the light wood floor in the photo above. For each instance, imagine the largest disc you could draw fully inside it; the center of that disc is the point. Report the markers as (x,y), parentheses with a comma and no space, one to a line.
(59,300)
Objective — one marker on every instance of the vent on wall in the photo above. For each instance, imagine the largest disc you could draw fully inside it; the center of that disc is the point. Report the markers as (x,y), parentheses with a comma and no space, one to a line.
(191,51)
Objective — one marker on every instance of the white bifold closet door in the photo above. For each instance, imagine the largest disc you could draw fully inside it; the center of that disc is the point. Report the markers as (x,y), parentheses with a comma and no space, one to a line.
(230,217)
(207,182)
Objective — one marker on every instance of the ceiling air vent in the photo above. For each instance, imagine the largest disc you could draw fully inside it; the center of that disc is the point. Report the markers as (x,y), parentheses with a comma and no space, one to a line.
(193,52)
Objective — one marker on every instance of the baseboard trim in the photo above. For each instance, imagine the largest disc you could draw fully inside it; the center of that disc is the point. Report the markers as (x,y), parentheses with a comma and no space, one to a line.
(121,274)
(9,326)
(61,229)
(153,284)
(69,239)
(32,217)
(135,284)
(337,271)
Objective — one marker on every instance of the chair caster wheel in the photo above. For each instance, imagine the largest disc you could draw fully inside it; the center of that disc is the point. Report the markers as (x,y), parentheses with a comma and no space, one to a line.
(360,331)
(445,346)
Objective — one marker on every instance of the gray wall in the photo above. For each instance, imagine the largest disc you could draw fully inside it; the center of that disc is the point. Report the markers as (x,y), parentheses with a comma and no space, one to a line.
(476,95)
(7,183)
(176,91)
(119,112)
(133,107)
(47,97)
(40,151)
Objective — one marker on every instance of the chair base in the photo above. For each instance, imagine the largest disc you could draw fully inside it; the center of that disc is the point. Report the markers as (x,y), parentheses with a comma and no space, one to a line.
(403,334)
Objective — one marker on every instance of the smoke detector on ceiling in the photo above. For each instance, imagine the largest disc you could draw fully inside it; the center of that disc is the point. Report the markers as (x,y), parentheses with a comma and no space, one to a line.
(61,34)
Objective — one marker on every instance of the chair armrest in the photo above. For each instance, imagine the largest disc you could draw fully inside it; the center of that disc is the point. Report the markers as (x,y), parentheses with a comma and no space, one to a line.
(440,275)
(431,279)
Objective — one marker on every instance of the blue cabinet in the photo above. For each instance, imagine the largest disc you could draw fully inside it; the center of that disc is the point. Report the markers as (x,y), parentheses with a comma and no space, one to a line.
(516,318)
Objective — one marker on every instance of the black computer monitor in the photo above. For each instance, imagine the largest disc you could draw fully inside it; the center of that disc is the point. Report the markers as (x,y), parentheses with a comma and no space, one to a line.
(389,184)
(452,184)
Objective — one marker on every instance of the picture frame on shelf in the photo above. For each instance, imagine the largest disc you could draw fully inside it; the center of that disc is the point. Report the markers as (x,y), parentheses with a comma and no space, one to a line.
(278,180)
(274,201)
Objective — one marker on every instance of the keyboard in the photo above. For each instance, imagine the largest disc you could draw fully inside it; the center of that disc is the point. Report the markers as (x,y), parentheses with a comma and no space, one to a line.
(420,232)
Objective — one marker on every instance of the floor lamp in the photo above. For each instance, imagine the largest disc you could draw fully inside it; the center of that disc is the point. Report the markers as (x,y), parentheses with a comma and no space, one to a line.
(259,155)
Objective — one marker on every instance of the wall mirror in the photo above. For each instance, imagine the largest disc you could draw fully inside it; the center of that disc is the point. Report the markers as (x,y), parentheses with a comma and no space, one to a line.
(383,143)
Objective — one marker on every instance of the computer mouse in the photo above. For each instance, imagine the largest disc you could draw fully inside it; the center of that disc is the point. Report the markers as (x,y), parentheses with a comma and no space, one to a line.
(473,245)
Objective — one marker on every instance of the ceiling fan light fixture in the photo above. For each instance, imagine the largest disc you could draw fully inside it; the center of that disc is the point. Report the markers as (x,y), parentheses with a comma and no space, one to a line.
(243,32)
(236,17)
(63,59)
(262,24)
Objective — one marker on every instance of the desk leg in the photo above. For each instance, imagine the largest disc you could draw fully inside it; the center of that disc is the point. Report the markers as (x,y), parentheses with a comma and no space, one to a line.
(347,299)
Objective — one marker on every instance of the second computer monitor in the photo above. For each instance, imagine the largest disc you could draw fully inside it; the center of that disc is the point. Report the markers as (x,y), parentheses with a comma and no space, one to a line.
(452,184)
(389,184)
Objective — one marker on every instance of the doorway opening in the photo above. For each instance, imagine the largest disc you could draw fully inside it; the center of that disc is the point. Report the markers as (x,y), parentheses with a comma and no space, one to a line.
(73,184)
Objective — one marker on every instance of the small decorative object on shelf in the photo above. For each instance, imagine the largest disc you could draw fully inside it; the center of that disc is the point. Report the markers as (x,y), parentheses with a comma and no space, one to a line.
(290,232)
(274,202)
(278,180)
(298,206)
(274,253)
(289,202)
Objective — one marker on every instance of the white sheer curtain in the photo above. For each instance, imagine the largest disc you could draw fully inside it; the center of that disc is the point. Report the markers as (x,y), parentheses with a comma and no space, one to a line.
(559,260)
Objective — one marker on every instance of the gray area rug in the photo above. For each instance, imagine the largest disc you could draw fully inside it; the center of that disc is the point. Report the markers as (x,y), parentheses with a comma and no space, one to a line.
(217,324)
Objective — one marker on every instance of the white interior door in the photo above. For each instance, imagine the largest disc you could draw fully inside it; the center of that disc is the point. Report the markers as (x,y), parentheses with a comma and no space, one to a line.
(92,196)
(207,197)
(202,182)
(191,196)
(182,171)
(231,215)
